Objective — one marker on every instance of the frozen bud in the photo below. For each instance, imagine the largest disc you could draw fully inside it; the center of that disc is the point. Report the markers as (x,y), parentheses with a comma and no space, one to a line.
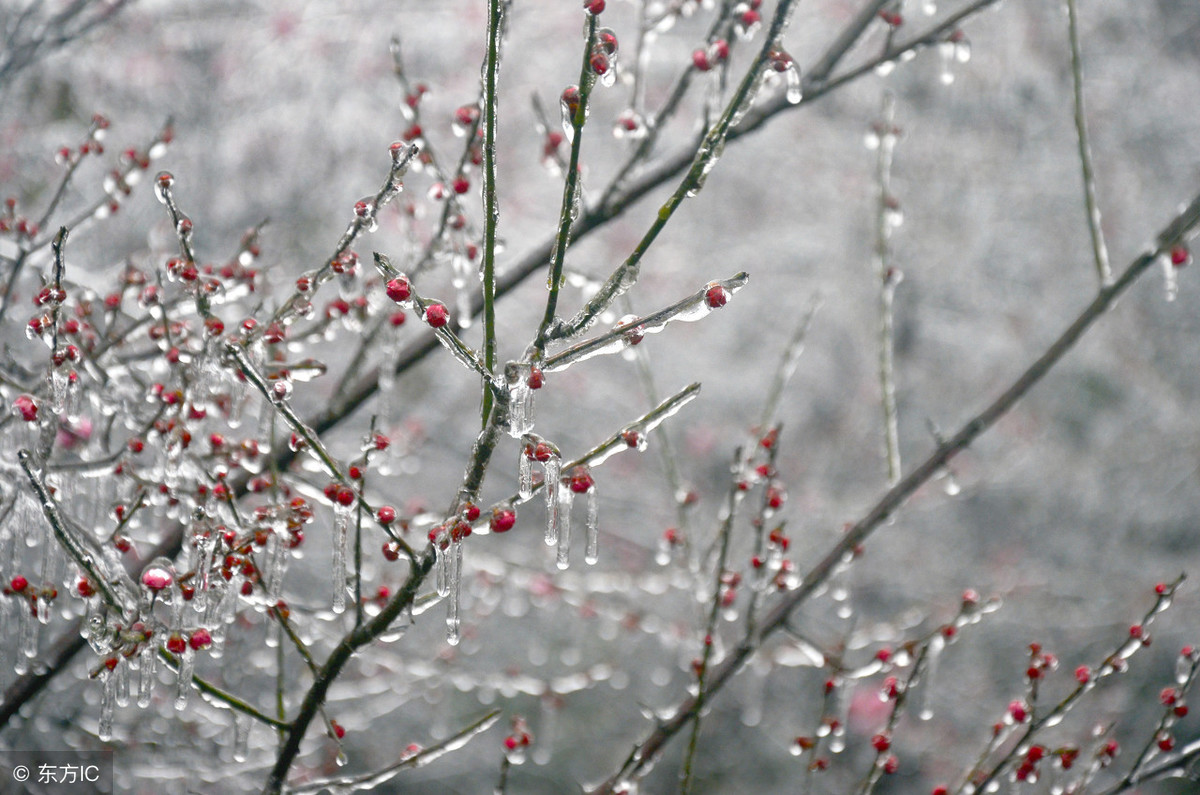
(162,185)
(716,296)
(571,99)
(1180,255)
(502,520)
(599,61)
(1018,711)
(580,480)
(176,643)
(391,550)
(200,639)
(157,576)
(606,40)
(26,407)
(436,314)
(594,7)
(399,289)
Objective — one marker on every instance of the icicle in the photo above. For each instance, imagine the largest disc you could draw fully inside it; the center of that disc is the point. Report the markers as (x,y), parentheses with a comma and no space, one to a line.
(222,612)
(520,402)
(925,697)
(591,553)
(341,527)
(58,390)
(187,665)
(754,693)
(552,466)
(525,477)
(442,566)
(946,56)
(149,655)
(241,736)
(28,636)
(562,511)
(43,609)
(1183,667)
(454,586)
(74,399)
(276,565)
(121,674)
(107,705)
(1170,277)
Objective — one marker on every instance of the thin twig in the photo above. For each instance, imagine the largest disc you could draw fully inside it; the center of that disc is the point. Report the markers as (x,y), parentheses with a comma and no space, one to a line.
(491,209)
(1099,249)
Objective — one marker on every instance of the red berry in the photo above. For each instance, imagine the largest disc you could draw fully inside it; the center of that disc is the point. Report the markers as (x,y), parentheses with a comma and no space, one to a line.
(399,289)
(386,514)
(1180,256)
(461,185)
(1083,674)
(536,378)
(19,583)
(391,550)
(345,496)
(436,315)
(599,62)
(200,639)
(27,408)
(891,764)
(176,643)
(466,115)
(337,729)
(594,7)
(581,480)
(716,296)
(502,520)
(156,578)
(881,742)
(700,60)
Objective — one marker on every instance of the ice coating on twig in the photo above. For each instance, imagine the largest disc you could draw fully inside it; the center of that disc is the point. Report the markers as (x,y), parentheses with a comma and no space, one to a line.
(696,306)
